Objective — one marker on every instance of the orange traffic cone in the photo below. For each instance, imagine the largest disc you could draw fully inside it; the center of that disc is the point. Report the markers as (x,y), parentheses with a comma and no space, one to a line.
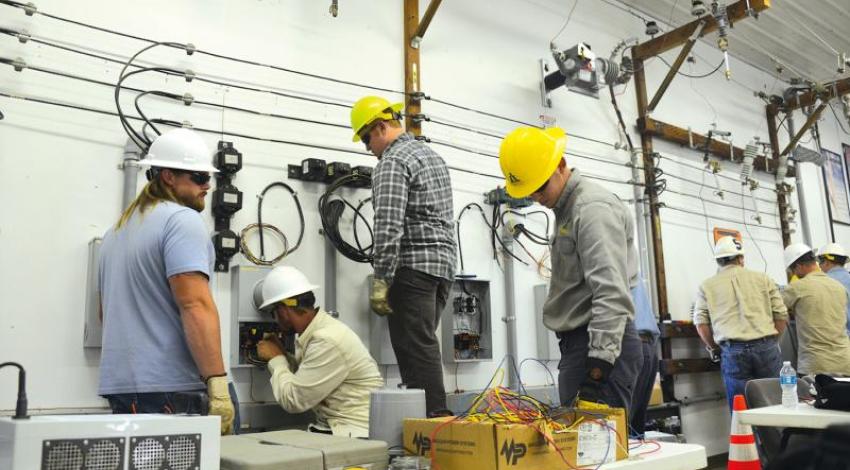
(742,444)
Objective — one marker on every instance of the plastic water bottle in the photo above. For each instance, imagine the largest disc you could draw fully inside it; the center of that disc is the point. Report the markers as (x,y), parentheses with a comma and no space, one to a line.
(788,382)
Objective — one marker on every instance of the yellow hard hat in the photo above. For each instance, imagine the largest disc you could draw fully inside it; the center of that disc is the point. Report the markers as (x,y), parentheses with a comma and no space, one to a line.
(528,157)
(370,108)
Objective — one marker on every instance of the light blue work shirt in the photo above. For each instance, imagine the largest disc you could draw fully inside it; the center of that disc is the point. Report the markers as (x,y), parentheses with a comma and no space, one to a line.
(645,321)
(841,275)
(144,345)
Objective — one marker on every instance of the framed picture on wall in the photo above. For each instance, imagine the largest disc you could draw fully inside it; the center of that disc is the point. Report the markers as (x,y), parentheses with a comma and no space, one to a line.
(836,185)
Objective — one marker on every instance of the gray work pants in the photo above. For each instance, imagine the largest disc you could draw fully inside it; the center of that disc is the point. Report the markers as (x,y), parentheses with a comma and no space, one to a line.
(417,299)
(572,369)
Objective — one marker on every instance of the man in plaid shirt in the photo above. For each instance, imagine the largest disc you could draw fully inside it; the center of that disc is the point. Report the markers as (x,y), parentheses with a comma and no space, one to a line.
(414,242)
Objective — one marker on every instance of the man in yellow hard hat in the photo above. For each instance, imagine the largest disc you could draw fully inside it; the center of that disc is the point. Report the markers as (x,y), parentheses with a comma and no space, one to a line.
(414,255)
(594,267)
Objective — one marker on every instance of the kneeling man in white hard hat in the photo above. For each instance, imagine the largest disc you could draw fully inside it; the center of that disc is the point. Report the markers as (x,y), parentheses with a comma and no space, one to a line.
(332,373)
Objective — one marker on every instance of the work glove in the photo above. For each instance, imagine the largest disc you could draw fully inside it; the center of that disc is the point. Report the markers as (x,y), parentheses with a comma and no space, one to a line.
(220,404)
(378,297)
(714,354)
(590,390)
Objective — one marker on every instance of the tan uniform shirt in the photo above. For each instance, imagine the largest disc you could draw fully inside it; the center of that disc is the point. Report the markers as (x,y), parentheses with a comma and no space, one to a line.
(818,303)
(739,304)
(334,377)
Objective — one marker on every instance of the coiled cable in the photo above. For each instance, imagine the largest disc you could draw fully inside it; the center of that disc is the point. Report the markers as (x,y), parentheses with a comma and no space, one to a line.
(331,208)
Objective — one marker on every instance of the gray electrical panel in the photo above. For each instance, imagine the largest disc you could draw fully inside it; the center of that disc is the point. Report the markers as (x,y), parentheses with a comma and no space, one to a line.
(547,342)
(93,329)
(248,324)
(467,323)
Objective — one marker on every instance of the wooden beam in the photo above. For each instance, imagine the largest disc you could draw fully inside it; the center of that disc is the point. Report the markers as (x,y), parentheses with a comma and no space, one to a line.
(674,69)
(717,148)
(411,66)
(781,193)
(668,387)
(426,21)
(828,91)
(813,118)
(687,366)
(672,39)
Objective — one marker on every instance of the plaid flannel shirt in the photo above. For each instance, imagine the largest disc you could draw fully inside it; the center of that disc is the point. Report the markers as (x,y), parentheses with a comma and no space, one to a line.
(414,218)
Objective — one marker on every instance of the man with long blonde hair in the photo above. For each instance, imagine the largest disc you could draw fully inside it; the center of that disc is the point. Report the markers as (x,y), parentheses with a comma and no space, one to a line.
(161,331)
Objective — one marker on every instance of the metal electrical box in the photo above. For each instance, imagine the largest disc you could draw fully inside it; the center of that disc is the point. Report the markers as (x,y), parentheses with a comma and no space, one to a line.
(93,330)
(467,323)
(117,442)
(547,342)
(248,324)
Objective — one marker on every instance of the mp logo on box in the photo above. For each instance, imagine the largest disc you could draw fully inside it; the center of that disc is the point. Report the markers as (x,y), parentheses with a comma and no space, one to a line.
(513,452)
(422,443)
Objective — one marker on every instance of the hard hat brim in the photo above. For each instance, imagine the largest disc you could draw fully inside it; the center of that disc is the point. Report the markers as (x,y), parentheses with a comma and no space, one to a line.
(396,108)
(526,188)
(152,162)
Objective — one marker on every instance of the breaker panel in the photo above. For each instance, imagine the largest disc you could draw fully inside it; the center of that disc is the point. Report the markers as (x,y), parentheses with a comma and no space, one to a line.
(467,323)
(248,324)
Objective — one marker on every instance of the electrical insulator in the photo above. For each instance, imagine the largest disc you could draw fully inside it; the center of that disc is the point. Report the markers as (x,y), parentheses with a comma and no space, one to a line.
(698,8)
(750,153)
(652,28)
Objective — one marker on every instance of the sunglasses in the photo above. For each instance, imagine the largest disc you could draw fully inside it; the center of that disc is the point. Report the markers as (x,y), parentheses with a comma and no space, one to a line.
(198,177)
(366,136)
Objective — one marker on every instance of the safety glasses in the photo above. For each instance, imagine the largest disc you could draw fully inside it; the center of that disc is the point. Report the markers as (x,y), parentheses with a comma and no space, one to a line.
(542,187)
(198,177)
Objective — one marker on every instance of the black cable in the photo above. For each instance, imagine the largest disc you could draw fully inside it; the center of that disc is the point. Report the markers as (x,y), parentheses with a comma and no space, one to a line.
(620,118)
(21,402)
(694,76)
(459,238)
(261,197)
(330,212)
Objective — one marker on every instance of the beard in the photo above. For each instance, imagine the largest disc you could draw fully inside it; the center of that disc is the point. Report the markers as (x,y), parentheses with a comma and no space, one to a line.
(194,202)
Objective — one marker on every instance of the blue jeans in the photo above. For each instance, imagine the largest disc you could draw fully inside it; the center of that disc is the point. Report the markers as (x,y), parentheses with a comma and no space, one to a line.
(157,402)
(572,369)
(741,361)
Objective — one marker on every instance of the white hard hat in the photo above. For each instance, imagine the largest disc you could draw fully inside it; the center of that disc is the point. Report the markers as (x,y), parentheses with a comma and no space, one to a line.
(181,149)
(832,249)
(284,282)
(727,247)
(794,251)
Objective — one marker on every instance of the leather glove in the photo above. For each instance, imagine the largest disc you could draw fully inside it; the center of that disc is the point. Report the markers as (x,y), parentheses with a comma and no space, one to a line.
(220,404)
(378,298)
(590,389)
(714,354)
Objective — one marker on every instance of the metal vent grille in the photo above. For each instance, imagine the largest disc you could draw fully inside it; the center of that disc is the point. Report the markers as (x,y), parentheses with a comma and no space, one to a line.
(174,452)
(83,454)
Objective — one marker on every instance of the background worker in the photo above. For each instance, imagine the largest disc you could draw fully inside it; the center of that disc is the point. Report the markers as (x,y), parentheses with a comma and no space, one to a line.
(161,332)
(819,306)
(832,258)
(739,316)
(646,324)
(332,372)
(414,254)
(594,266)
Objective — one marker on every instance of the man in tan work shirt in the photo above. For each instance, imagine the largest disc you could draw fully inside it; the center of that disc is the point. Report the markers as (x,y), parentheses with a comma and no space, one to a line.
(332,373)
(739,314)
(819,304)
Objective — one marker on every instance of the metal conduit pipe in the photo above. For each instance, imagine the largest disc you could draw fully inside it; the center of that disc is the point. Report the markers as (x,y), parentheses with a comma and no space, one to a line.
(801,192)
(510,306)
(130,167)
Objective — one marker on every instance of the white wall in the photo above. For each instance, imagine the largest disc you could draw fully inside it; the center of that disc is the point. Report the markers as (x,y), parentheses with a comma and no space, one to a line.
(62,186)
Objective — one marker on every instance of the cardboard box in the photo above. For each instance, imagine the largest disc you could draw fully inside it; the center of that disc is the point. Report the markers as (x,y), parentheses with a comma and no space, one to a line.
(488,446)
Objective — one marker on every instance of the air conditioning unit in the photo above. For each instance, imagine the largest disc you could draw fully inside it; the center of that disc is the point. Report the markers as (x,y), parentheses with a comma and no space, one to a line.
(110,442)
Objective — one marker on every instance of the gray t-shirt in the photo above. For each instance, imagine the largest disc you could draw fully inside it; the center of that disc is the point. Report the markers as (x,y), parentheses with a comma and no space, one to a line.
(144,345)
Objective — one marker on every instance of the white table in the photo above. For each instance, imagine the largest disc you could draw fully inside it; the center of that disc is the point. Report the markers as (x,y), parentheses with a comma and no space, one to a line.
(804,416)
(669,457)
